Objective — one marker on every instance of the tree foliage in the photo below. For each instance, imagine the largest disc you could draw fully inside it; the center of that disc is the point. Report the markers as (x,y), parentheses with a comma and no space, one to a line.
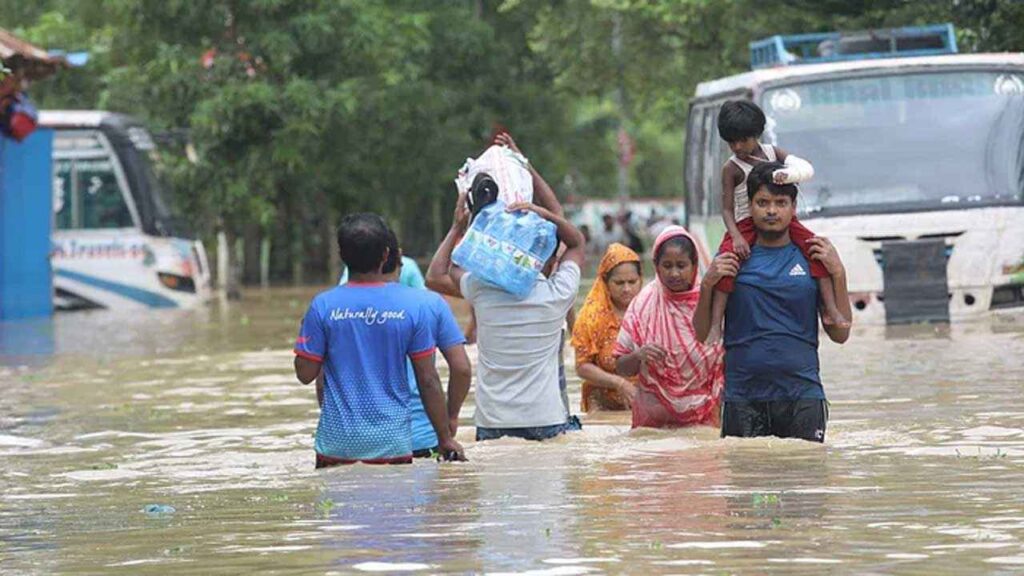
(301,110)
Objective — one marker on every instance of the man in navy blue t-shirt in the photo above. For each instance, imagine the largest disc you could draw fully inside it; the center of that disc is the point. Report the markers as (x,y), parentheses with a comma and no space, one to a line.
(772,382)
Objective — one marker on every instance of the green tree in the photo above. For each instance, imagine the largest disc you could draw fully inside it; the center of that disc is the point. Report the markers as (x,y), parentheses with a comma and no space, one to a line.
(301,110)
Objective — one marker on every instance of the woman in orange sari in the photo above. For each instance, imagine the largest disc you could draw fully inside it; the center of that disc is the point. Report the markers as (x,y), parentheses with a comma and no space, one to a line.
(597,327)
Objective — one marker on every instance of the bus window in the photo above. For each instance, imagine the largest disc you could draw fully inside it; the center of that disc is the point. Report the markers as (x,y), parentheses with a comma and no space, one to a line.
(100,198)
(87,192)
(62,204)
(721,153)
(711,179)
(694,164)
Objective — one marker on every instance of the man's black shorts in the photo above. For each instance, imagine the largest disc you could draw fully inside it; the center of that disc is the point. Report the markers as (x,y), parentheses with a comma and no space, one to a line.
(805,419)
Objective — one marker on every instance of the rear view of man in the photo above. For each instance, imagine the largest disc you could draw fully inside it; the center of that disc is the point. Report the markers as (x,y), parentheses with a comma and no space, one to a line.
(520,340)
(360,335)
(449,339)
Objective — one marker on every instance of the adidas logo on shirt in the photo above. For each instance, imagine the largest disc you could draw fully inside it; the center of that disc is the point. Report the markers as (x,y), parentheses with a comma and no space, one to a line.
(797,270)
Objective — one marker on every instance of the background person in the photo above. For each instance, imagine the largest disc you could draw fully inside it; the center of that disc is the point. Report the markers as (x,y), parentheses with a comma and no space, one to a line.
(597,328)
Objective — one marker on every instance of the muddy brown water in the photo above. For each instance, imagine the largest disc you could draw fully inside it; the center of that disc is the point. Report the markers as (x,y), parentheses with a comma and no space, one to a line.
(103,414)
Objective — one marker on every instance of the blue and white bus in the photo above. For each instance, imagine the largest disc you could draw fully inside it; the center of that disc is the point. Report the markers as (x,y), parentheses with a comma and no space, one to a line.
(115,244)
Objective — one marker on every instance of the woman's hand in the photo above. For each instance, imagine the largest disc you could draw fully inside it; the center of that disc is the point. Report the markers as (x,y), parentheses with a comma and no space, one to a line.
(651,353)
(628,392)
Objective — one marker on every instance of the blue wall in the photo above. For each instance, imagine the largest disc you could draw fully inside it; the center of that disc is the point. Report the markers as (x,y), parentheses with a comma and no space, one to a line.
(26,216)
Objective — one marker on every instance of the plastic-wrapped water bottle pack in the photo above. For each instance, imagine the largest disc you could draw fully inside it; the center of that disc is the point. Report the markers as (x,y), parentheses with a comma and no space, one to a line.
(507,250)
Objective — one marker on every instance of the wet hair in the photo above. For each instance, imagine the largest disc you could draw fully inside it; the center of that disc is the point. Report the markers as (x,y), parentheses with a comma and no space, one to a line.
(761,177)
(394,253)
(362,240)
(739,120)
(681,242)
(483,192)
(614,268)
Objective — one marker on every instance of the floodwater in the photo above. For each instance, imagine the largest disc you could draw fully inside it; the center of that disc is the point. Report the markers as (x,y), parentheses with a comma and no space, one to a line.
(197,418)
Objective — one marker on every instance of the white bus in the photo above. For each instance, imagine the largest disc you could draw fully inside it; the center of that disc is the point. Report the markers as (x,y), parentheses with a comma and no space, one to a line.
(115,244)
(919,175)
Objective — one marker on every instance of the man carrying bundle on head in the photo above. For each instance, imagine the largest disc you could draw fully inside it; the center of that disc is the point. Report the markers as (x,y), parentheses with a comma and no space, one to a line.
(520,338)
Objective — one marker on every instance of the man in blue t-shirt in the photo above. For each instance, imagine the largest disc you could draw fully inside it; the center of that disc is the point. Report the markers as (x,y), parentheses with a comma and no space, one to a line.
(450,341)
(772,382)
(360,336)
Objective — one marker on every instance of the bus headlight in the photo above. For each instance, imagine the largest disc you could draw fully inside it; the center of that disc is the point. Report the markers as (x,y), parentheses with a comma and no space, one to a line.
(179,283)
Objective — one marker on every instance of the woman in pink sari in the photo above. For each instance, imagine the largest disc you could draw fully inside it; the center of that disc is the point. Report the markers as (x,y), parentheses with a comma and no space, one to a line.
(680,378)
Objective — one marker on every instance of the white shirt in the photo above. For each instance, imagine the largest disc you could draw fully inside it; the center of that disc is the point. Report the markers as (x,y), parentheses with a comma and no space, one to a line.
(741,204)
(518,343)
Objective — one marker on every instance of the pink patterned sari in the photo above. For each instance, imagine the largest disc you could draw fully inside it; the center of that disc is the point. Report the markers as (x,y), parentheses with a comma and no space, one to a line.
(686,388)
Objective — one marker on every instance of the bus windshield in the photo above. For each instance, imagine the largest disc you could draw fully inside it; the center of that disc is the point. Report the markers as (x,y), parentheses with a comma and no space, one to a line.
(904,141)
(135,145)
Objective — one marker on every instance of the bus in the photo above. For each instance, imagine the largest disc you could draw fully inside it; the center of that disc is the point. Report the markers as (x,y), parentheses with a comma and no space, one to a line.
(919,174)
(114,242)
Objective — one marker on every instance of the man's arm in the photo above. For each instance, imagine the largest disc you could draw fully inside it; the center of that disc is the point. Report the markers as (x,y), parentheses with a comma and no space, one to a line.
(442,276)
(821,249)
(429,384)
(840,333)
(306,370)
(460,375)
(544,195)
(439,274)
(725,264)
(320,389)
(311,346)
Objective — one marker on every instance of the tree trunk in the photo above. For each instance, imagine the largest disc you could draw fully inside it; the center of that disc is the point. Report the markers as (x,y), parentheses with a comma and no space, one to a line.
(223,261)
(251,254)
(328,236)
(227,269)
(235,284)
(265,262)
(296,222)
